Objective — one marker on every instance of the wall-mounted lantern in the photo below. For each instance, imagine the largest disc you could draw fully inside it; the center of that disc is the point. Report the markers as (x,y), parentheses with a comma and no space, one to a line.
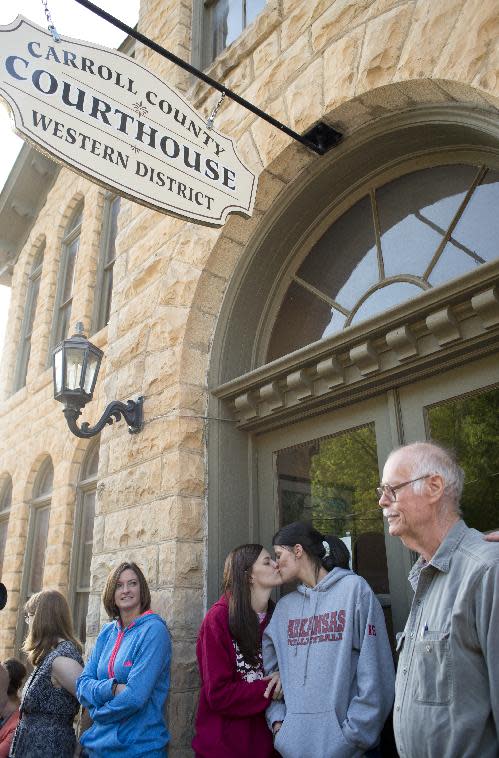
(76,364)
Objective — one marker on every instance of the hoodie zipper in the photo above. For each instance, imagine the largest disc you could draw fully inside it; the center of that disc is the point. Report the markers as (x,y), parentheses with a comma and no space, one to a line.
(117,644)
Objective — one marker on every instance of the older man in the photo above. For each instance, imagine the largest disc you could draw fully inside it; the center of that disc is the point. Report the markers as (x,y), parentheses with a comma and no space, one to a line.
(447,687)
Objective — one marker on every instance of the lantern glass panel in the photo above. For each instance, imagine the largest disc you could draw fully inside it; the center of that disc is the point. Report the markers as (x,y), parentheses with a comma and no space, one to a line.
(91,373)
(58,371)
(74,367)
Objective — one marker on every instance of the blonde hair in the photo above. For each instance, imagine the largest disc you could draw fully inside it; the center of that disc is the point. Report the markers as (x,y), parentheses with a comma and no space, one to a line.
(51,622)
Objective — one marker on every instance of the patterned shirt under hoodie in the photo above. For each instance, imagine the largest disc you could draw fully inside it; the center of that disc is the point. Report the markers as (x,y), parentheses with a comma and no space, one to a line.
(46,726)
(250,672)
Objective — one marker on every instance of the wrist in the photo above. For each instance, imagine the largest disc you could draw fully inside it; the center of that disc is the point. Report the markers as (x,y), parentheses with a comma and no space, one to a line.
(113,688)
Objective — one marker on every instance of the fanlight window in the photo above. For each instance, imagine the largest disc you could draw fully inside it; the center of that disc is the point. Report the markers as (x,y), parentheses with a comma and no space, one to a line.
(406,237)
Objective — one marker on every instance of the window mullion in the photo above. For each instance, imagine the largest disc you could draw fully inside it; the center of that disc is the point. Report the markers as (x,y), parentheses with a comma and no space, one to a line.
(377,234)
(476,181)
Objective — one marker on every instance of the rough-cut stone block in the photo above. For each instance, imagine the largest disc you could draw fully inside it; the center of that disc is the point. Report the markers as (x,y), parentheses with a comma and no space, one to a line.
(193,245)
(382,46)
(145,557)
(273,81)
(182,711)
(296,24)
(168,327)
(269,140)
(183,474)
(266,54)
(178,284)
(137,526)
(185,673)
(472,42)
(431,26)
(161,370)
(120,352)
(341,16)
(134,485)
(341,60)
(182,608)
(181,564)
(304,98)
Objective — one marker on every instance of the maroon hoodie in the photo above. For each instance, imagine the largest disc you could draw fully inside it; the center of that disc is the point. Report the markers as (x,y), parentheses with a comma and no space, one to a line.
(231,713)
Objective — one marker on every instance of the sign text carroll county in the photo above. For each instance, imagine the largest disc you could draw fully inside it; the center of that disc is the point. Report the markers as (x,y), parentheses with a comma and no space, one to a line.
(109,118)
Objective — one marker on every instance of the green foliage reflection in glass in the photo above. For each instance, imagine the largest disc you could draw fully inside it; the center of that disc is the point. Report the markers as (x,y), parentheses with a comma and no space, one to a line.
(331,482)
(470,426)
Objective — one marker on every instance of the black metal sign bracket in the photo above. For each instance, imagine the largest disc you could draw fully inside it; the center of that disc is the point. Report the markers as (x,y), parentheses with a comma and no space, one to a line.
(321,138)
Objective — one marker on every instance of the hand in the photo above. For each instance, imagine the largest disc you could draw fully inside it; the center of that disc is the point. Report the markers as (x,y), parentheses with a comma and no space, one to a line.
(119,688)
(492,537)
(275,727)
(274,686)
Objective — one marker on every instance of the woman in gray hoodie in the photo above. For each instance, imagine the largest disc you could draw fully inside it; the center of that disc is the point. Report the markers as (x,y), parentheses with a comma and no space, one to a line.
(328,640)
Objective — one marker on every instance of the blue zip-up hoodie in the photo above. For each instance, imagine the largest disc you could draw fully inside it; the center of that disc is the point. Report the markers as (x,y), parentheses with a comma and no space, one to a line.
(132,723)
(330,645)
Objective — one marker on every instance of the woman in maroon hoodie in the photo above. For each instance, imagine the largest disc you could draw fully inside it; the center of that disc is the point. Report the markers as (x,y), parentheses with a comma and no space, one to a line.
(234,693)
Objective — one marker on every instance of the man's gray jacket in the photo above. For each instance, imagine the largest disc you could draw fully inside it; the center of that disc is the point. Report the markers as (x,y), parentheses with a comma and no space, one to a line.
(447,686)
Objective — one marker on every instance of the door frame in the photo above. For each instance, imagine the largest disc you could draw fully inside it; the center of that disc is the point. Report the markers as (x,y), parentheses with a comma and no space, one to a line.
(381,411)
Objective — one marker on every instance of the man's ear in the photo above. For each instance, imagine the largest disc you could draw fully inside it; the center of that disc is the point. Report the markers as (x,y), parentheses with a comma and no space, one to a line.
(436,486)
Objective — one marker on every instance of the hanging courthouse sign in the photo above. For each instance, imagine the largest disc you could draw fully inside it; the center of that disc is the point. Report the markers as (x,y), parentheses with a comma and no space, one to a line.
(104,115)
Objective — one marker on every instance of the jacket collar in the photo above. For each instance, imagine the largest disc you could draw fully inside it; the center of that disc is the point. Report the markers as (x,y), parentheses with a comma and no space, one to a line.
(441,560)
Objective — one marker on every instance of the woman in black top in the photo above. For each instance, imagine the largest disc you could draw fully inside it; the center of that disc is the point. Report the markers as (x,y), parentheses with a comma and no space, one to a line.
(48,703)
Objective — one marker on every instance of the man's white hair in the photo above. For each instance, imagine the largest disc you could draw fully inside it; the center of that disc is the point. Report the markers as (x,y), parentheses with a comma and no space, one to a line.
(430,458)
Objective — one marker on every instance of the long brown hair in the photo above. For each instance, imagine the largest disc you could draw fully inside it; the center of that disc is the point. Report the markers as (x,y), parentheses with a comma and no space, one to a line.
(110,589)
(51,622)
(243,621)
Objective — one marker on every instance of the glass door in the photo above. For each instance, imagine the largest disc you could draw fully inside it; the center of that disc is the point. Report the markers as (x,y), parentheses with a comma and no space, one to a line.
(326,470)
(460,409)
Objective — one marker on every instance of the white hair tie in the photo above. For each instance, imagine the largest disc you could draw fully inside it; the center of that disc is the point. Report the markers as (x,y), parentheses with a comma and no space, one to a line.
(326,547)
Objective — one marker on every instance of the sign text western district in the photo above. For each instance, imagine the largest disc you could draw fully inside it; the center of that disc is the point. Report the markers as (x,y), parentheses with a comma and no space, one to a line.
(109,118)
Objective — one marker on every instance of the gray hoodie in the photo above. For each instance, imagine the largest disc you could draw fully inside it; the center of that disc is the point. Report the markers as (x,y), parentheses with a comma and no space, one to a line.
(332,650)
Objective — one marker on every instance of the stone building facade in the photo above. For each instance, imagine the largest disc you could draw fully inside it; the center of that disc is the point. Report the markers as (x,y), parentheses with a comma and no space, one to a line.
(222,330)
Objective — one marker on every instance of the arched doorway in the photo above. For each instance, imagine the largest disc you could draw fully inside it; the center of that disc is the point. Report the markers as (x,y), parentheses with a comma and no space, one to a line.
(336,324)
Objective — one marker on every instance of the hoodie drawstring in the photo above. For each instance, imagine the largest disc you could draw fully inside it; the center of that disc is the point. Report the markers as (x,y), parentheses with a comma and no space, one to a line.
(301,616)
(310,636)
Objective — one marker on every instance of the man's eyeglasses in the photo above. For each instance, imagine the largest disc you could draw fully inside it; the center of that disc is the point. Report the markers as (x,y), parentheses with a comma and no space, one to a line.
(390,490)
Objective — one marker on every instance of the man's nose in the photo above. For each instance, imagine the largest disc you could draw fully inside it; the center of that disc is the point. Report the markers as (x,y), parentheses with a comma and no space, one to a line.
(384,500)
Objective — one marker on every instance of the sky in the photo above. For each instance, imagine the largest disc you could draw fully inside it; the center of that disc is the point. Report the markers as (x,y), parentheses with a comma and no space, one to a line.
(72,20)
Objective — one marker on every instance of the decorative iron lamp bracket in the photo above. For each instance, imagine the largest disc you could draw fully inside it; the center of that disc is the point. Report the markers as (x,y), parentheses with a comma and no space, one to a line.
(131,411)
(76,364)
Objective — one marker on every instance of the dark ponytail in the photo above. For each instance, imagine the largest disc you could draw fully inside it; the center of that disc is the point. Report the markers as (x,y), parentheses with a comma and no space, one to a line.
(335,555)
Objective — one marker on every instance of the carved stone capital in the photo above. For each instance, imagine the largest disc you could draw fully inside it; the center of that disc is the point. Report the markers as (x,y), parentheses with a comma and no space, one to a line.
(486,305)
(403,342)
(444,326)
(365,357)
